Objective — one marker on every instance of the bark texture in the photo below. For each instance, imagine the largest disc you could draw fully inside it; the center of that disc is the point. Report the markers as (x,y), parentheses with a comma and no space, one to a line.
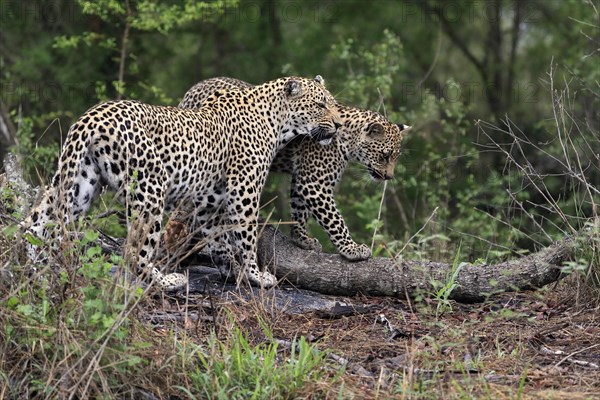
(331,274)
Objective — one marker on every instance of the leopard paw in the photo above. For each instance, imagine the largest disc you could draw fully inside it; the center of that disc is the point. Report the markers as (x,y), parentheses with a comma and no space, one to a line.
(228,272)
(355,252)
(263,279)
(173,281)
(307,243)
(169,282)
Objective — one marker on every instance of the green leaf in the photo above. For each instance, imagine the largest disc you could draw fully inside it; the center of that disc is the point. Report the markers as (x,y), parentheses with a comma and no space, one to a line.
(92,252)
(12,302)
(90,236)
(33,240)
(25,309)
(134,360)
(10,230)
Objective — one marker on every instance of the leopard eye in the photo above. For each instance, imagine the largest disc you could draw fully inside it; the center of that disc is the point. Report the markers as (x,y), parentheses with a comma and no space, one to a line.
(385,156)
(321,104)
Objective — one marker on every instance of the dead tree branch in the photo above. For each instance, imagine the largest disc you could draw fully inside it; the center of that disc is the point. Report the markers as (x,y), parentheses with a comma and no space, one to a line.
(331,274)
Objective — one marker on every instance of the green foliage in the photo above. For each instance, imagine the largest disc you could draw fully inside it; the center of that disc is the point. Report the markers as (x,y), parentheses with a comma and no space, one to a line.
(131,18)
(370,71)
(87,39)
(79,327)
(87,323)
(99,314)
(37,158)
(155,16)
(237,369)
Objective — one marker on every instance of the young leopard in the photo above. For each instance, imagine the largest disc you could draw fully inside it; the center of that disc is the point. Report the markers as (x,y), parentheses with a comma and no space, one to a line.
(213,159)
(365,136)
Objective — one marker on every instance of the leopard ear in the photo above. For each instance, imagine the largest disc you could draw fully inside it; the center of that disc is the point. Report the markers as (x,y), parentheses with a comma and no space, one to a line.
(375,130)
(292,88)
(319,79)
(404,128)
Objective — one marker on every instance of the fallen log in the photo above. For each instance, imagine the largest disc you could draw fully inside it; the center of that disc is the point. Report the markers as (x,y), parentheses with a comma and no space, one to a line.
(331,274)
(379,276)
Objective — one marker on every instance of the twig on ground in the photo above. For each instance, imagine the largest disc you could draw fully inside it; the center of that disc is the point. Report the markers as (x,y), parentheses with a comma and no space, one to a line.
(394,332)
(579,362)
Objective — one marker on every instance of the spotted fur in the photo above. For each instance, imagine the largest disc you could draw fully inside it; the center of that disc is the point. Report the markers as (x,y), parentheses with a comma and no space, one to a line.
(365,136)
(213,159)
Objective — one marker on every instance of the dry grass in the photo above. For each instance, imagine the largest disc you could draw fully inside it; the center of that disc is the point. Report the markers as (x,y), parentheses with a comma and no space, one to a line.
(482,350)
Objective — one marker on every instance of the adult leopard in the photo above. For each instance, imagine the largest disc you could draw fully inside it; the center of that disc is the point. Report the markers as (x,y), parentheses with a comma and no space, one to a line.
(365,136)
(214,159)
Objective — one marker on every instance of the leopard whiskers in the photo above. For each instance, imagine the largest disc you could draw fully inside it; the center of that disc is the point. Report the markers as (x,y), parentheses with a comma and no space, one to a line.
(378,214)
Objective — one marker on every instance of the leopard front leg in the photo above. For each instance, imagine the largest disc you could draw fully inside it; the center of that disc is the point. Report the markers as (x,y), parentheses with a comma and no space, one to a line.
(243,197)
(242,236)
(320,202)
(208,225)
(300,215)
(224,242)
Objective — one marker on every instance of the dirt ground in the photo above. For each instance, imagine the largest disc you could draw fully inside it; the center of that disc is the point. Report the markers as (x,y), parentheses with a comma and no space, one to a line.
(543,344)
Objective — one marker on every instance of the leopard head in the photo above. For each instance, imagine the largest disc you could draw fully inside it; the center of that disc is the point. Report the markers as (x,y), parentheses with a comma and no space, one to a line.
(379,146)
(312,109)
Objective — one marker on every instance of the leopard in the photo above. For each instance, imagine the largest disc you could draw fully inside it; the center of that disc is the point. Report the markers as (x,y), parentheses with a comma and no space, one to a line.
(213,159)
(365,137)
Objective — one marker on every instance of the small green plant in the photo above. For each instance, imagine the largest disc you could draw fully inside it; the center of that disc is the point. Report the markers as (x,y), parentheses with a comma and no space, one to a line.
(521,384)
(236,369)
(442,290)
(580,266)
(7,199)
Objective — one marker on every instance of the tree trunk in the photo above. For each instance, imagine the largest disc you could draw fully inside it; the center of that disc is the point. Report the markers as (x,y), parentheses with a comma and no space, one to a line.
(7,131)
(331,274)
